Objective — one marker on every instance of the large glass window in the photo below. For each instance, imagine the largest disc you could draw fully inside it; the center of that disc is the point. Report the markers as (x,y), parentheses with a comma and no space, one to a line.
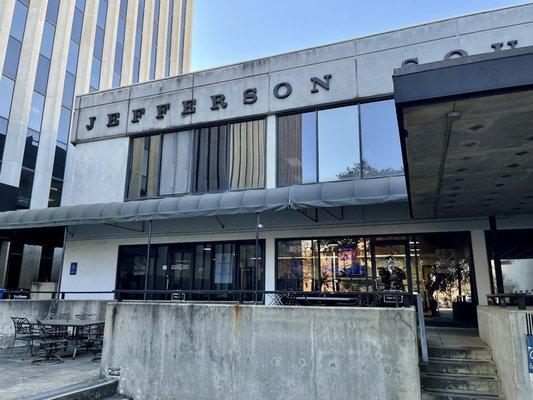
(247,155)
(144,168)
(119,50)
(297,265)
(169,36)
(324,145)
(155,34)
(98,46)
(382,154)
(138,43)
(6,95)
(211,173)
(176,163)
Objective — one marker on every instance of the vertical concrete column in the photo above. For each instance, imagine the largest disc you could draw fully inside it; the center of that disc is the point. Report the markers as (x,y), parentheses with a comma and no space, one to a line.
(271,152)
(146,49)
(176,29)
(52,107)
(85,58)
(22,95)
(110,43)
(6,15)
(162,40)
(481,265)
(270,269)
(188,36)
(129,43)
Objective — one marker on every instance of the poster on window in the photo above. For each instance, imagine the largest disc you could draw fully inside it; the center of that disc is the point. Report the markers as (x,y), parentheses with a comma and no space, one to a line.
(529,343)
(139,266)
(348,262)
(223,268)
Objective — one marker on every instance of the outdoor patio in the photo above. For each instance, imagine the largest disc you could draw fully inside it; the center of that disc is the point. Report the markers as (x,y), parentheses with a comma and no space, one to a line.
(23,379)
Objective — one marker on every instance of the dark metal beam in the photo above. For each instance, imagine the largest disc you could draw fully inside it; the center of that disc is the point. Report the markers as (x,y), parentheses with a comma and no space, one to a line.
(333,215)
(315,219)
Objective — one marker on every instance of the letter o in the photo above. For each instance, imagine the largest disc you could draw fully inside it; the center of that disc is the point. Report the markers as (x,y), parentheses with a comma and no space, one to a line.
(288,90)
(458,53)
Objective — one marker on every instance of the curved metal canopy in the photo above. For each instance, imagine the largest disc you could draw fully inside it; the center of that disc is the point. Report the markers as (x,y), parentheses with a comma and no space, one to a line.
(331,194)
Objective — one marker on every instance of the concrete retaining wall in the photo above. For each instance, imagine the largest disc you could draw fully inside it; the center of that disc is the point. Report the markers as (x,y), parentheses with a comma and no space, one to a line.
(504,330)
(38,309)
(206,351)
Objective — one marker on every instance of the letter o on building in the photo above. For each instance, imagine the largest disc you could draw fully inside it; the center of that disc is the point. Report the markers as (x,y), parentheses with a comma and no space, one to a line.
(282,93)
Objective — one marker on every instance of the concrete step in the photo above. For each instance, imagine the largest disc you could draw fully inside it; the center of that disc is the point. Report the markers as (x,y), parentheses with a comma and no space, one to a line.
(465,353)
(485,385)
(455,366)
(451,395)
(90,390)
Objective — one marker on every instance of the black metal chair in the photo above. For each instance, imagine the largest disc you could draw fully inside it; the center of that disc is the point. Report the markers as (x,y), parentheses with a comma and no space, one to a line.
(91,338)
(25,331)
(62,316)
(85,317)
(51,341)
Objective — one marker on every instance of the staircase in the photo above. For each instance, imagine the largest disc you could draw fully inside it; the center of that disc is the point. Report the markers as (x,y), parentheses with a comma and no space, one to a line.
(461,370)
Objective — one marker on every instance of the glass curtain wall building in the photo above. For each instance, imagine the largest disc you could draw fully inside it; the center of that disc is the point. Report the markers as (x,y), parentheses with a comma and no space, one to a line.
(55,38)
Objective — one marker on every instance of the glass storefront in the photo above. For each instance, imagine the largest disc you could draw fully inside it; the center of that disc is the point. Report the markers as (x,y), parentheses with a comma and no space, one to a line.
(191,266)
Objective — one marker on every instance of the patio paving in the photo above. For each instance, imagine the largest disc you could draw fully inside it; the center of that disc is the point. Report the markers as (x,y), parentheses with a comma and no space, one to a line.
(22,378)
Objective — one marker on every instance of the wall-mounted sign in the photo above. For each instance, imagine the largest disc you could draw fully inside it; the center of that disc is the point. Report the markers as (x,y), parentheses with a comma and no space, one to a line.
(139,266)
(73,268)
(281,91)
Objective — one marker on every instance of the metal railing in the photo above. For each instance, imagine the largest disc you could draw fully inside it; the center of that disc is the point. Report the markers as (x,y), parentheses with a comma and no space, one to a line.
(269,297)
(522,300)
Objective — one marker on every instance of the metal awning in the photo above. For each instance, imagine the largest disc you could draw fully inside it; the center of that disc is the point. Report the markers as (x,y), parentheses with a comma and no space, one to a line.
(466,134)
(331,194)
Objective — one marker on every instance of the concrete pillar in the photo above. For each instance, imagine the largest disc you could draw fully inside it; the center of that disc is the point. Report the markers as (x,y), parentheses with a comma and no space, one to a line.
(52,107)
(176,28)
(188,37)
(270,269)
(162,40)
(6,15)
(129,43)
(481,265)
(146,48)
(85,58)
(271,152)
(4,255)
(29,268)
(110,44)
(22,95)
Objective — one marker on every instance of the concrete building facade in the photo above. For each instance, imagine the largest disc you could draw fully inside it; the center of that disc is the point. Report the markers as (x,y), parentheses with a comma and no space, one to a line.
(283,173)
(52,51)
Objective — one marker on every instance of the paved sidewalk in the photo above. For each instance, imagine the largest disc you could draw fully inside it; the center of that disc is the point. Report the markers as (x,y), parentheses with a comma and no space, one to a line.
(453,337)
(22,378)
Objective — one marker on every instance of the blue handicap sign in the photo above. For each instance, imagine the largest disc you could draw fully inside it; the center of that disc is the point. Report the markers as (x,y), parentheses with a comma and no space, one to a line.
(529,342)
(73,268)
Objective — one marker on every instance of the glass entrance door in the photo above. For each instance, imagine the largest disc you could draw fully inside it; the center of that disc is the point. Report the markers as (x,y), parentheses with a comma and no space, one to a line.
(391,264)
(179,267)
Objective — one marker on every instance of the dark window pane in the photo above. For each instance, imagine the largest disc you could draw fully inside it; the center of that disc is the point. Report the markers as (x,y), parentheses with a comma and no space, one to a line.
(102,14)
(138,44)
(77,25)
(95,73)
(119,51)
(338,144)
(6,95)
(3,133)
(123,7)
(47,41)
(41,76)
(99,42)
(64,125)
(136,66)
(121,30)
(224,271)
(251,267)
(25,186)
(56,188)
(59,162)
(72,60)
(52,9)
(297,149)
(382,154)
(247,155)
(297,265)
(80,4)
(18,22)
(68,90)
(144,167)
(140,18)
(30,149)
(116,79)
(211,159)
(36,112)
(157,5)
(11,62)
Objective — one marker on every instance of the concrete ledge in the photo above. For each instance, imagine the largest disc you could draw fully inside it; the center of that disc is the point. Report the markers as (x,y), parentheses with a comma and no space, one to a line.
(206,351)
(504,330)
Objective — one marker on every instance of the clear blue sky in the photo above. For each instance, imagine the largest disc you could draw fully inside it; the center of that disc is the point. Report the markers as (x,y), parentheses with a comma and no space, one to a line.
(230,31)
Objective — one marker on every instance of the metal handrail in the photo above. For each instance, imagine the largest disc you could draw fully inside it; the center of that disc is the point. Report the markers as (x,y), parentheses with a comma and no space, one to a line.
(503,299)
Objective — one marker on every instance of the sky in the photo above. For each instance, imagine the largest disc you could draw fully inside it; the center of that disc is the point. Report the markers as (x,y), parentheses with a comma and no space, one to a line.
(231,31)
